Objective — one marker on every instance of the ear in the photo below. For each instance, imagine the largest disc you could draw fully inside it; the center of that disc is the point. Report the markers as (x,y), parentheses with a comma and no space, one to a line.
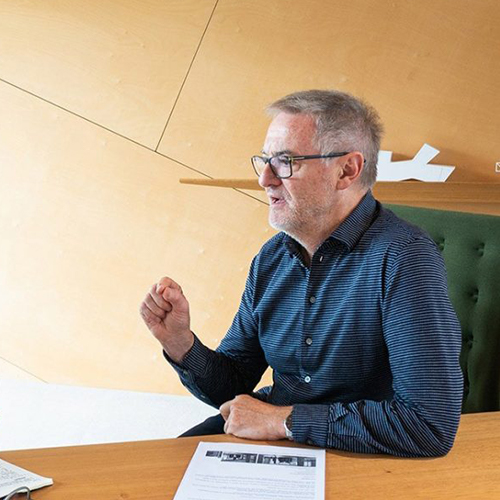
(350,168)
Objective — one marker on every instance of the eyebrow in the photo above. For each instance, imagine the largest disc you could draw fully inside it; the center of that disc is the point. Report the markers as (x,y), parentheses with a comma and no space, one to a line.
(277,153)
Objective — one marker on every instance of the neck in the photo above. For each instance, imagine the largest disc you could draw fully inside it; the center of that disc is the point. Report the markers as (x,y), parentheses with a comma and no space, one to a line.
(314,235)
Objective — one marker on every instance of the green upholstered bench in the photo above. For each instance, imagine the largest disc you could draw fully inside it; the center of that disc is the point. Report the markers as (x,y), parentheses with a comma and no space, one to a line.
(470,245)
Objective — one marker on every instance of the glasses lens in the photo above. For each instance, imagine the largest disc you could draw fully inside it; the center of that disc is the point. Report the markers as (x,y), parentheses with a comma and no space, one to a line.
(282,165)
(258,164)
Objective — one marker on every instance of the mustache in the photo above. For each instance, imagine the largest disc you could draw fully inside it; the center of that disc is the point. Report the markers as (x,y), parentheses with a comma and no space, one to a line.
(276,194)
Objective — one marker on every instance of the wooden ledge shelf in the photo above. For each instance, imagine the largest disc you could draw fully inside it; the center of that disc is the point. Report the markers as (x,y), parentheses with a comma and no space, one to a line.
(396,192)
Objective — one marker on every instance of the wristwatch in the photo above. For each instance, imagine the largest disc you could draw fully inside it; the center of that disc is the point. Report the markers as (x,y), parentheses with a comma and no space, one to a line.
(287,424)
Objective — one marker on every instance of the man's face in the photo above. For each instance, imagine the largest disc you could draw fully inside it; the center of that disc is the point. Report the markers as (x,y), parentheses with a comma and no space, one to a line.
(301,204)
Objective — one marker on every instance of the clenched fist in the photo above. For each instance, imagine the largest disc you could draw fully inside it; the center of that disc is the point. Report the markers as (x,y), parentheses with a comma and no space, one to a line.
(165,311)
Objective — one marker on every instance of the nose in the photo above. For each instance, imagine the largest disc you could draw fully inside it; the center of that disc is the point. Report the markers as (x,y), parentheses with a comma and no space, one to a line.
(267,178)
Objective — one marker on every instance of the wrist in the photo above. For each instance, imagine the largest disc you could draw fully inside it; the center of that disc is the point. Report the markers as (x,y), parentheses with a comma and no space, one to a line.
(179,346)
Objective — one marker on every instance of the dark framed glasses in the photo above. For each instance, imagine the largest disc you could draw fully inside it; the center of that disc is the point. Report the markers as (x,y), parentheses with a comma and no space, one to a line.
(281,165)
(23,490)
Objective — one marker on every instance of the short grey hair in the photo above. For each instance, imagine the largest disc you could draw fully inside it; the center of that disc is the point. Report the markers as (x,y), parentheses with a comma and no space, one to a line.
(343,123)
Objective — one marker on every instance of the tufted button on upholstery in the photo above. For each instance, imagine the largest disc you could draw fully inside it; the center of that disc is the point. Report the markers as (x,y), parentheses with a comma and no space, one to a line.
(475,295)
(440,244)
(480,249)
(470,340)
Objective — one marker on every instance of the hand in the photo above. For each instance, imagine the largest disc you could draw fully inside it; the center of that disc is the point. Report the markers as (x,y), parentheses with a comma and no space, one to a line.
(247,417)
(165,311)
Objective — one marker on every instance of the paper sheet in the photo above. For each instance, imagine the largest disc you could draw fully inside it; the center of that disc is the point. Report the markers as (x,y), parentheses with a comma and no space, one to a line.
(231,471)
(13,477)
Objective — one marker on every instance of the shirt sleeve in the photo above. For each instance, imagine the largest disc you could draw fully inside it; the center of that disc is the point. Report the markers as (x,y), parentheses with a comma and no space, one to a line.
(236,366)
(423,340)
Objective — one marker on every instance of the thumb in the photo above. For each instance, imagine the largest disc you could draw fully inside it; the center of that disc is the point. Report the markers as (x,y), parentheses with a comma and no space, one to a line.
(225,409)
(176,298)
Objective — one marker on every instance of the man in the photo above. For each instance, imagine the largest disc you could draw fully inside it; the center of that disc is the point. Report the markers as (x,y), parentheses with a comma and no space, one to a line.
(348,304)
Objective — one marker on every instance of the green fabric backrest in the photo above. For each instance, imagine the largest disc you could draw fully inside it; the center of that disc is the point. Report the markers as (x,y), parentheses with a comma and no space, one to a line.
(470,245)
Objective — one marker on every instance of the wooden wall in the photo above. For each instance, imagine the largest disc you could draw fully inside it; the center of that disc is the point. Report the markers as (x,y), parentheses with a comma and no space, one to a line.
(104,106)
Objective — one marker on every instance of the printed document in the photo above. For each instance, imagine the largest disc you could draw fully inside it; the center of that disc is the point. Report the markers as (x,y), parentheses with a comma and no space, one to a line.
(13,477)
(233,471)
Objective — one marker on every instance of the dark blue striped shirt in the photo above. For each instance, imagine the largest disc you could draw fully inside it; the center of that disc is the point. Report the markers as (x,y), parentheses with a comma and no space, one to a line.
(364,343)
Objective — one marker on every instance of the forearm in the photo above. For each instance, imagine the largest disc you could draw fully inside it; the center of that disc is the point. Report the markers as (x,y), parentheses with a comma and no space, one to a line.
(391,427)
(215,377)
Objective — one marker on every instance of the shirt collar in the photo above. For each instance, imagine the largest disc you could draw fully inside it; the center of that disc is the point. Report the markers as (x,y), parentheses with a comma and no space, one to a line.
(351,229)
(354,226)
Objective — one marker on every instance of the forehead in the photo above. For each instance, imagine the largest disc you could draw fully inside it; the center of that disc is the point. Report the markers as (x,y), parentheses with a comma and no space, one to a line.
(290,132)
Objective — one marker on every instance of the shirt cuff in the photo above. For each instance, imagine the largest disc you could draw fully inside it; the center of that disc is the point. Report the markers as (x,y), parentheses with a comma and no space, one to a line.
(310,424)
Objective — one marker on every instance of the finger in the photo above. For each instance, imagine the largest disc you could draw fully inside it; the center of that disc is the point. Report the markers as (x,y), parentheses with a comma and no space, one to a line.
(176,298)
(159,300)
(148,316)
(166,283)
(225,410)
(226,427)
(154,308)
(150,304)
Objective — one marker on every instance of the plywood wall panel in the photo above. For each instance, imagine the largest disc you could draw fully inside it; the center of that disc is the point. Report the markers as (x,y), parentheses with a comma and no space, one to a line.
(88,222)
(120,63)
(430,67)
(88,219)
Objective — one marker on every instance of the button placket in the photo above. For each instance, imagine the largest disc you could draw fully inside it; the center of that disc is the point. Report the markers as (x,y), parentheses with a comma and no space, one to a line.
(306,351)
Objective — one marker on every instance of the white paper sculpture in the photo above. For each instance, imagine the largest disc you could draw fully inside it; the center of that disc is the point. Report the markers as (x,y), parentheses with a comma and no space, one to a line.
(417,168)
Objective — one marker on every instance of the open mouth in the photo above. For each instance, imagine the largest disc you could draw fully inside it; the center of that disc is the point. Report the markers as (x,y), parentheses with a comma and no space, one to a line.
(275,200)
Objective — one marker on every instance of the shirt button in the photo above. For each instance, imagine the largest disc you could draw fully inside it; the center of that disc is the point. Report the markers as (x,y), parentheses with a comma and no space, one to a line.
(312,299)
(321,257)
(310,442)
(307,379)
(309,340)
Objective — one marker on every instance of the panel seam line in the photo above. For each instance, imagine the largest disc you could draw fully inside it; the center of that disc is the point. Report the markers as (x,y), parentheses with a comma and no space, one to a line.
(119,135)
(22,369)
(187,75)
